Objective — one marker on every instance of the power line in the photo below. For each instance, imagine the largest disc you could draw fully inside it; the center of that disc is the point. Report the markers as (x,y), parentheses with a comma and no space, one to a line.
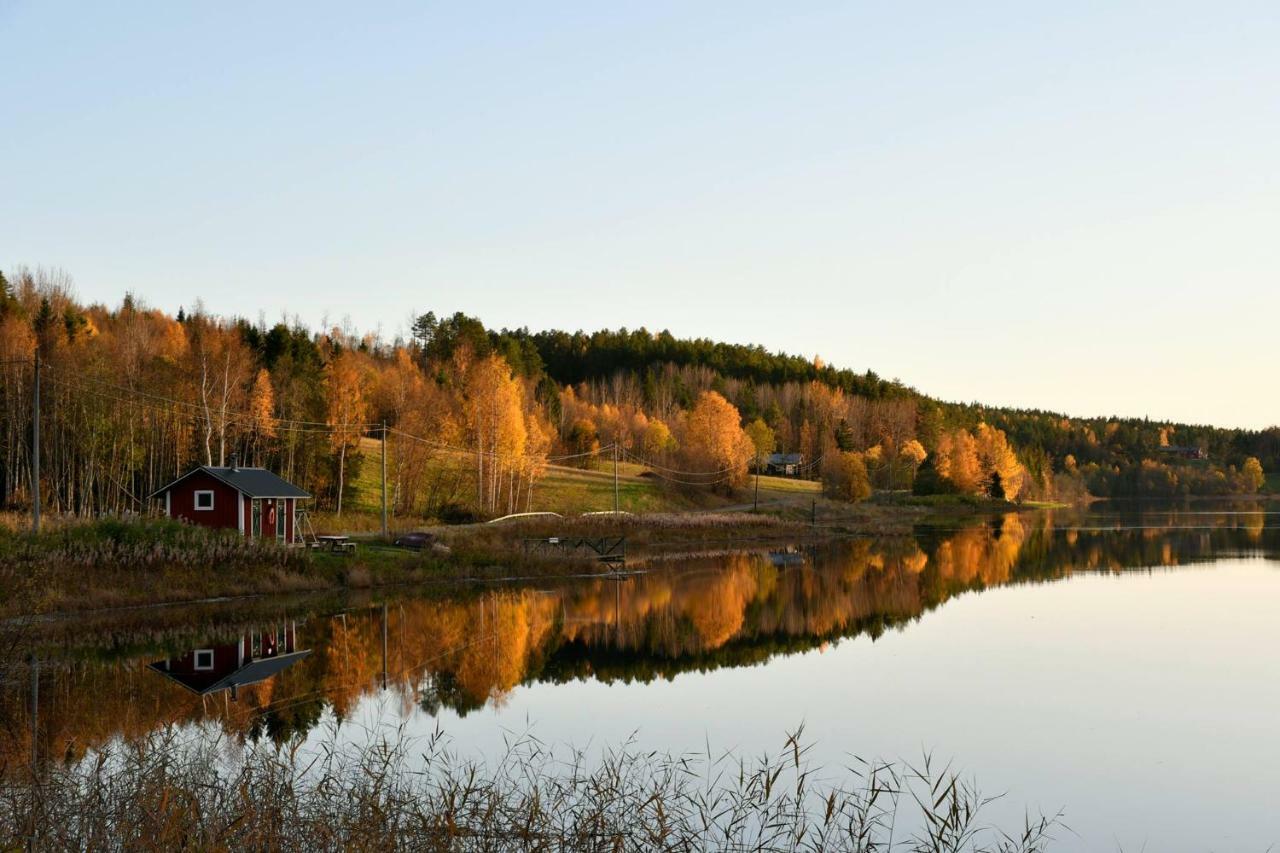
(654,465)
(667,479)
(199,410)
(230,419)
(493,455)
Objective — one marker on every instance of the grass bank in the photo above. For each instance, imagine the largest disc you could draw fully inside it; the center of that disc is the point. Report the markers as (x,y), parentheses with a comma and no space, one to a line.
(83,566)
(119,563)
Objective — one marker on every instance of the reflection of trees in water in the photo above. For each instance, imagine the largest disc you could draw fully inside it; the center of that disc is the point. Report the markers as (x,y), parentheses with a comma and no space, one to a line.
(461,653)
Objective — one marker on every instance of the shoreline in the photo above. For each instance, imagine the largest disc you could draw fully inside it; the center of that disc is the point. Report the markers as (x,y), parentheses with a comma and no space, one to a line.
(68,579)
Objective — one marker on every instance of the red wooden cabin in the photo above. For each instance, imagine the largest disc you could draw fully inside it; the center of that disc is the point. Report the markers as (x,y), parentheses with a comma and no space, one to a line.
(253,501)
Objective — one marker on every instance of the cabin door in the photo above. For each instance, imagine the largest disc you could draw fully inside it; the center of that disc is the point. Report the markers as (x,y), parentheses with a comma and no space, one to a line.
(255,515)
(280,519)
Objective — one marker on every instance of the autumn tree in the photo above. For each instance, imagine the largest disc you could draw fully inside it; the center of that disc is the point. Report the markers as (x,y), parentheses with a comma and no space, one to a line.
(262,422)
(346,409)
(714,440)
(844,476)
(495,418)
(762,438)
(221,365)
(1002,473)
(539,434)
(583,441)
(657,440)
(911,455)
(1253,475)
(957,461)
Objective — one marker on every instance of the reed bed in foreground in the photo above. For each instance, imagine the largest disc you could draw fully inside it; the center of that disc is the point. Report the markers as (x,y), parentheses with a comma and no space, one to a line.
(140,542)
(114,562)
(401,794)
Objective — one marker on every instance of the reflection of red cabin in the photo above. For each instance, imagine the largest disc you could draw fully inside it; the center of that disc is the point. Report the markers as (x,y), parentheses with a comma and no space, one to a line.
(256,656)
(252,500)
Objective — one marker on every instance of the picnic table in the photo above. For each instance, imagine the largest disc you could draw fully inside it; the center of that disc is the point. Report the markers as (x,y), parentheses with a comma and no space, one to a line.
(336,543)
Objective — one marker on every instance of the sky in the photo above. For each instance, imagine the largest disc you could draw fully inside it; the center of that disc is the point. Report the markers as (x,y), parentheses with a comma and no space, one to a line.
(1062,206)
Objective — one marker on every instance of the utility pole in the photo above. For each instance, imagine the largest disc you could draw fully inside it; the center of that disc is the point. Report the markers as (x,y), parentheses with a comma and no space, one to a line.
(35,448)
(756,503)
(384,479)
(615,478)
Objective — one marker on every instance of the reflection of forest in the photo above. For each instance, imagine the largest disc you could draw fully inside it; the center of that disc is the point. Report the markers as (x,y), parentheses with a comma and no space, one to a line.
(718,611)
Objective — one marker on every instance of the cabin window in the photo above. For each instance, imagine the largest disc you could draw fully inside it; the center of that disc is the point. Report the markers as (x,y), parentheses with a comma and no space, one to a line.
(204,500)
(204,658)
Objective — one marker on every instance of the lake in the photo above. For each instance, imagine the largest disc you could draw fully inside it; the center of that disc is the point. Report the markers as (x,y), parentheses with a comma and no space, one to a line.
(1118,664)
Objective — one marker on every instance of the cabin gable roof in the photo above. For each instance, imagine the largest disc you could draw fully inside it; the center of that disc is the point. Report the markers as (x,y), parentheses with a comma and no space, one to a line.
(253,482)
(786,458)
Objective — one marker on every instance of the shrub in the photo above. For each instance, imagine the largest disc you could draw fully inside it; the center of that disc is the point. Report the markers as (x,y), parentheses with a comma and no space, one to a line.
(456,513)
(844,477)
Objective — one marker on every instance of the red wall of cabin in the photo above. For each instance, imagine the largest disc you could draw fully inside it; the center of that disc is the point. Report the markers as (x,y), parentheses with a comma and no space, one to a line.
(182,502)
(285,505)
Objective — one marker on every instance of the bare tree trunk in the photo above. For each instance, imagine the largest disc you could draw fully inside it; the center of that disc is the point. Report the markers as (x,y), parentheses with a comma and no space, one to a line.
(222,414)
(479,468)
(342,462)
(208,413)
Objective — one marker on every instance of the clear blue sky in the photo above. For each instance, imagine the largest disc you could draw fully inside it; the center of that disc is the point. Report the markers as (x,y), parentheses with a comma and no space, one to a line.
(1072,206)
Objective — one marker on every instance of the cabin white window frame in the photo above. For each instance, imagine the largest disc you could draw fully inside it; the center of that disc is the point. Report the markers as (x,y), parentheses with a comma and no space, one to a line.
(195,500)
(196,660)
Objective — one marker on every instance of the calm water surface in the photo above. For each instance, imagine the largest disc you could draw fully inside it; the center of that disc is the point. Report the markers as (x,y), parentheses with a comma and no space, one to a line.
(1119,665)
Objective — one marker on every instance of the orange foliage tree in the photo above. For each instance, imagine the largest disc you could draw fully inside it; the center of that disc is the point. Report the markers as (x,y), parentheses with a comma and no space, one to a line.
(347,409)
(714,440)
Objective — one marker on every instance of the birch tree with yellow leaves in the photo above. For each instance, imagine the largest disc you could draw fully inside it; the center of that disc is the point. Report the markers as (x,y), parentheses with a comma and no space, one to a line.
(714,441)
(347,410)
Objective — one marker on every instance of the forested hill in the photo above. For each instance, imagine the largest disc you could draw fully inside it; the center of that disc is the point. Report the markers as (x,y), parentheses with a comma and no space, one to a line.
(570,358)
(132,395)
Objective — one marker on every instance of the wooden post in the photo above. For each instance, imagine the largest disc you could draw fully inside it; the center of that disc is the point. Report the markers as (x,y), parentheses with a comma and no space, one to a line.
(615,478)
(384,645)
(755,507)
(35,447)
(384,479)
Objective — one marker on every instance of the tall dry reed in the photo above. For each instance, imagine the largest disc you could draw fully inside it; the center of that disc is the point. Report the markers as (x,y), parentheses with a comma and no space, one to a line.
(397,793)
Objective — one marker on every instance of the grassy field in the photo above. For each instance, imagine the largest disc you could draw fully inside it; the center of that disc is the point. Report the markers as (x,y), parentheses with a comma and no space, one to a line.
(572,491)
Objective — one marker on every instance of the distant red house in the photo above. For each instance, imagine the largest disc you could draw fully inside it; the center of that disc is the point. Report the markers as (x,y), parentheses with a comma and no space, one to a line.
(253,501)
(255,656)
